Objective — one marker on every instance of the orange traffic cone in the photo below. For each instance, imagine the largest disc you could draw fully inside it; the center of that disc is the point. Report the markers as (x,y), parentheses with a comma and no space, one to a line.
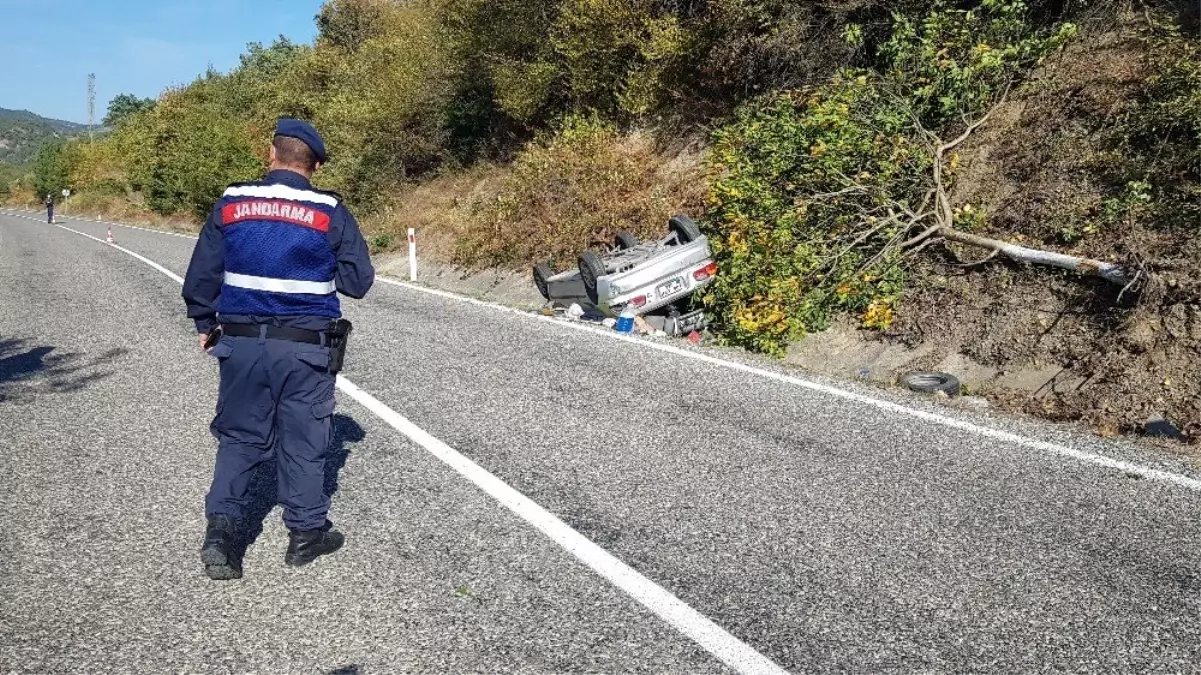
(110,236)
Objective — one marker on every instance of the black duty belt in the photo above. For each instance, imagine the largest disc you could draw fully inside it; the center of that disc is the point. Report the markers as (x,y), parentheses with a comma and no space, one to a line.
(311,337)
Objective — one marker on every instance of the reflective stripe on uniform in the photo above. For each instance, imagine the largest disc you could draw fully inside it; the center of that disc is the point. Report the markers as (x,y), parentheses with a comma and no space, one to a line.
(281,192)
(280,285)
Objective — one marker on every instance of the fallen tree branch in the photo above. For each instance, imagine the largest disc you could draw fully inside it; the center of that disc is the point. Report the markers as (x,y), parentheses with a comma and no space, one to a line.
(926,234)
(934,220)
(1108,271)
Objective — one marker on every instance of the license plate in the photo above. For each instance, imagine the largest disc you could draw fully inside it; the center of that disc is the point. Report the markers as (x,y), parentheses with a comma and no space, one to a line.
(670,287)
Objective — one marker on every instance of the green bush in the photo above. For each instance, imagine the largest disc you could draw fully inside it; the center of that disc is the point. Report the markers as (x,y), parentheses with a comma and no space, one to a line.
(11,176)
(789,259)
(381,110)
(184,153)
(617,53)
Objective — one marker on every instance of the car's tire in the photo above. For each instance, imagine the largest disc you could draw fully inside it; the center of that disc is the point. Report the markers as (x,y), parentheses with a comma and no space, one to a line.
(932,383)
(543,272)
(591,269)
(685,229)
(625,240)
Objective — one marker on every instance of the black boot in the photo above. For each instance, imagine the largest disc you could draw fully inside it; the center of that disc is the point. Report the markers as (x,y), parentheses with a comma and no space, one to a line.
(219,554)
(306,546)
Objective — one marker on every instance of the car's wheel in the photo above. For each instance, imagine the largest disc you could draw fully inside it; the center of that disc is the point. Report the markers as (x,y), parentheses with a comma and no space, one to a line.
(543,272)
(931,383)
(591,269)
(685,229)
(625,240)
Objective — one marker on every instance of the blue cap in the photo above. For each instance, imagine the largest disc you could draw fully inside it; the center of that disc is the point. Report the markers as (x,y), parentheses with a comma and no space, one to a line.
(305,132)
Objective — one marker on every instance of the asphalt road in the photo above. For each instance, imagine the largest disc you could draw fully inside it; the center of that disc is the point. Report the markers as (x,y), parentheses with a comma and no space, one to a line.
(823,527)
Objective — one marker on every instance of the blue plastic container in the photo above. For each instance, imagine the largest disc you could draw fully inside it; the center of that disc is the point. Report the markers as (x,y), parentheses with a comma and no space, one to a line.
(625,322)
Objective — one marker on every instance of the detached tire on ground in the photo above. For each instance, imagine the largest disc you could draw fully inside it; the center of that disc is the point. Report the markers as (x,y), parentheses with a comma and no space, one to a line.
(591,269)
(685,229)
(625,240)
(542,273)
(931,383)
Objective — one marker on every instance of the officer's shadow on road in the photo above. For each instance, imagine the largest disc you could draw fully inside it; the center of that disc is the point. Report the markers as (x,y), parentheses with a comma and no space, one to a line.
(263,490)
(27,369)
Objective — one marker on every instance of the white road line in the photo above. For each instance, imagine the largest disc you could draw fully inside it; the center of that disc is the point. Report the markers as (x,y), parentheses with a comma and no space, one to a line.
(935,418)
(712,638)
(175,277)
(1148,473)
(18,213)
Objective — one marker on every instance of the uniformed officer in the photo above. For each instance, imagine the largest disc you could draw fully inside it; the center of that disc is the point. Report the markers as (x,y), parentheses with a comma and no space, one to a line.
(50,207)
(265,275)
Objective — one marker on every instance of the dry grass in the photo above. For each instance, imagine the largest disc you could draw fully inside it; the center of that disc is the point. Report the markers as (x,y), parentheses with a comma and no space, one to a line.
(572,193)
(436,208)
(127,210)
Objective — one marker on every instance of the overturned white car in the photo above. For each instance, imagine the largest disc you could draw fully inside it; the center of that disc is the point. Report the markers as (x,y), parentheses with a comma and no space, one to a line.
(645,276)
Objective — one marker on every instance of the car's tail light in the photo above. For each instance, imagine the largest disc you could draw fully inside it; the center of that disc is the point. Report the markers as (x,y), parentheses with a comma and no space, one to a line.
(638,301)
(705,272)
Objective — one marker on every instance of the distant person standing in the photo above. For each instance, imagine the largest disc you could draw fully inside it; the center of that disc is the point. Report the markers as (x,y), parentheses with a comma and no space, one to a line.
(50,208)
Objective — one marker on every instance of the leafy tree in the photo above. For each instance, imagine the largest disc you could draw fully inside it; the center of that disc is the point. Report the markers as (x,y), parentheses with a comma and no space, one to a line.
(347,24)
(123,106)
(52,168)
(268,62)
(189,148)
(507,68)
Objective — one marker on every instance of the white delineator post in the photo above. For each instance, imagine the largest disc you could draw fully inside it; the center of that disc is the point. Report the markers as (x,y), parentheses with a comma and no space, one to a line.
(412,254)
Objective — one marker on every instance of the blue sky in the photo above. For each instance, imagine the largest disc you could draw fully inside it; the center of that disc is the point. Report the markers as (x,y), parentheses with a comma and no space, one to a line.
(48,47)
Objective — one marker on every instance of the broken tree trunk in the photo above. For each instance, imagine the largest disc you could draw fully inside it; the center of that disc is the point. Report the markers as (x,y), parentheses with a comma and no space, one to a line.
(1108,271)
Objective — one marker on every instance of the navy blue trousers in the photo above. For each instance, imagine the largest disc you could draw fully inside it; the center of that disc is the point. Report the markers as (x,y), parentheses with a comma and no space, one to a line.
(276,400)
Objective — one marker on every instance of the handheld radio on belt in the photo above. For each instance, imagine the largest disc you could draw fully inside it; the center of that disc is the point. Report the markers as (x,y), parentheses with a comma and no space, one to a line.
(337,337)
(213,338)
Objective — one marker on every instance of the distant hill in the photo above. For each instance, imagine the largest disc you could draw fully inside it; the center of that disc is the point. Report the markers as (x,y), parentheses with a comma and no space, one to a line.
(22,132)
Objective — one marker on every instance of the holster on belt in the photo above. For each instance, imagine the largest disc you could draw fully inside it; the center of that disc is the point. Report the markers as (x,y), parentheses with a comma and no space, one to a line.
(337,337)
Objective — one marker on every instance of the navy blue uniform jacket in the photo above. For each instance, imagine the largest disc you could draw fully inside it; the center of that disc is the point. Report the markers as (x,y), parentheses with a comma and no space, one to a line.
(206,272)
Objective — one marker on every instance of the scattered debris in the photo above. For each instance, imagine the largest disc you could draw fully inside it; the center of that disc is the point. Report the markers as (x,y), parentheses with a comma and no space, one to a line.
(625,322)
(593,315)
(695,338)
(931,383)
(575,311)
(1158,427)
